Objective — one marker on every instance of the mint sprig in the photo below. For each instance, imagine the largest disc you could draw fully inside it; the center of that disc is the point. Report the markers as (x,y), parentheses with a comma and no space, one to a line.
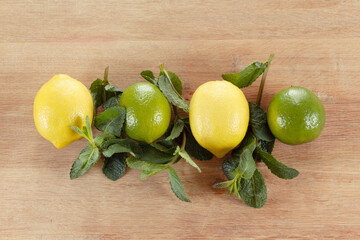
(243,178)
(103,92)
(247,76)
(119,151)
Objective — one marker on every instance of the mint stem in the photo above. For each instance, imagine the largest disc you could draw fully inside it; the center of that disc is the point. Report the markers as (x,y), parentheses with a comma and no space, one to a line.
(105,82)
(177,157)
(263,78)
(106,73)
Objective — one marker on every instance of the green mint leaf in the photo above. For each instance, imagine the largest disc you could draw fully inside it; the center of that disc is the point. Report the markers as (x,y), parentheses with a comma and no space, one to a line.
(176,185)
(253,191)
(258,123)
(194,148)
(135,163)
(231,190)
(266,146)
(175,80)
(168,150)
(112,102)
(237,192)
(187,158)
(111,88)
(104,145)
(79,131)
(103,137)
(171,93)
(160,147)
(97,92)
(167,143)
(111,120)
(247,76)
(88,127)
(153,155)
(149,76)
(177,130)
(145,174)
(276,167)
(87,158)
(223,184)
(231,165)
(114,166)
(247,165)
(120,146)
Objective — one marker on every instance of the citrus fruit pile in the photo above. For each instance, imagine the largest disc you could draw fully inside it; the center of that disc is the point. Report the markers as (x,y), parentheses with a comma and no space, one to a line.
(150,126)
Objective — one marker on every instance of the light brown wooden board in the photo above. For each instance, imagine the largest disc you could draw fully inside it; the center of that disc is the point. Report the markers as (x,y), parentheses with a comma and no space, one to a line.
(317,45)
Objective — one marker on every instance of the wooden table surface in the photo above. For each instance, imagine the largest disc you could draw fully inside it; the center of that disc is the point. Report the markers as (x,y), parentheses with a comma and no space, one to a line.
(317,46)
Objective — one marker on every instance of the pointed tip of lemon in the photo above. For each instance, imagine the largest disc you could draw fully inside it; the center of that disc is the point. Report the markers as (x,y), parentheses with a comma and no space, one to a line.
(219,154)
(58,145)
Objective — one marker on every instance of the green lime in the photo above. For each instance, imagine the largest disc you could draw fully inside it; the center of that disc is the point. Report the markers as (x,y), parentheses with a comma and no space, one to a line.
(148,112)
(296,115)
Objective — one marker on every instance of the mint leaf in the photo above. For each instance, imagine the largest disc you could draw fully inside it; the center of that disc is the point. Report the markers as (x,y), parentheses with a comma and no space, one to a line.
(79,131)
(253,191)
(145,174)
(87,127)
(161,147)
(97,92)
(171,93)
(149,76)
(114,166)
(194,148)
(86,132)
(87,158)
(111,88)
(247,76)
(135,163)
(258,123)
(247,165)
(223,184)
(266,146)
(187,158)
(103,137)
(121,146)
(276,167)
(153,155)
(231,166)
(105,144)
(175,80)
(177,130)
(111,120)
(176,185)
(112,102)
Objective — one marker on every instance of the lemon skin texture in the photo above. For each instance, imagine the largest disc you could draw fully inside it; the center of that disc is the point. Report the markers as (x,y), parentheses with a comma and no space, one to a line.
(296,115)
(60,103)
(148,112)
(219,116)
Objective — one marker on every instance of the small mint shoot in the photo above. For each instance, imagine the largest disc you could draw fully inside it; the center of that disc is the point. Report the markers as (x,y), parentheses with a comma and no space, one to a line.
(263,78)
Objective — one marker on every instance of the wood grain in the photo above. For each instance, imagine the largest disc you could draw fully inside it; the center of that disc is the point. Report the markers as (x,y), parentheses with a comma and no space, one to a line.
(316,45)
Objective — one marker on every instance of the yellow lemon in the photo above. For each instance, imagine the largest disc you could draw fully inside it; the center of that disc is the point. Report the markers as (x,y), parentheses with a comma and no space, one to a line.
(219,116)
(62,102)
